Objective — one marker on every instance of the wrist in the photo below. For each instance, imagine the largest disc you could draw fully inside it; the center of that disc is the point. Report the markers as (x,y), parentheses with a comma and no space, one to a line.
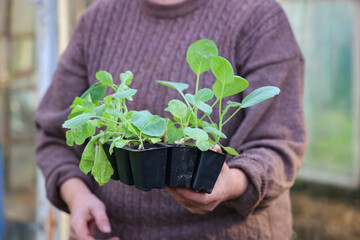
(239,182)
(72,189)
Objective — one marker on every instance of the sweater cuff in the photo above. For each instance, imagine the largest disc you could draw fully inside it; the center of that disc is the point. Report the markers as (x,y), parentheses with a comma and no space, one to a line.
(250,199)
(57,177)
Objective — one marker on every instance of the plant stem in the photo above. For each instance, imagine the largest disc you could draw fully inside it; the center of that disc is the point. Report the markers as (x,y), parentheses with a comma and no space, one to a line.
(126,110)
(210,118)
(197,83)
(232,115)
(187,103)
(220,120)
(196,90)
(211,107)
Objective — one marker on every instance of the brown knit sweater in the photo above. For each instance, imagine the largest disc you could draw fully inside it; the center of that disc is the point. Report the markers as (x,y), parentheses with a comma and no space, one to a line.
(151,40)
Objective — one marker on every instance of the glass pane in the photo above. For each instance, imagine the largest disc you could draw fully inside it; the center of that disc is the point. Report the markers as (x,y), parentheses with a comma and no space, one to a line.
(325,32)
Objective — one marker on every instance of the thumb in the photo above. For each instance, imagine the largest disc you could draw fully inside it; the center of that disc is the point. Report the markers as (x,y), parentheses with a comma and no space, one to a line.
(217,148)
(101,219)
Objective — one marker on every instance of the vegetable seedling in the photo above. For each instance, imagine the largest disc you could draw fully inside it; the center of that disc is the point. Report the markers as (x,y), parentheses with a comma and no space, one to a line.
(203,56)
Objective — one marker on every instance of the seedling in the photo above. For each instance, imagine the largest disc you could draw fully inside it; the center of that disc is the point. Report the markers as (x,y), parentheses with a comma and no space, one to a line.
(201,57)
(93,110)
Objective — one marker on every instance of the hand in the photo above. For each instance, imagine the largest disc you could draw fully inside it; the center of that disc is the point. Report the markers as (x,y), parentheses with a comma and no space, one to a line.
(86,210)
(231,183)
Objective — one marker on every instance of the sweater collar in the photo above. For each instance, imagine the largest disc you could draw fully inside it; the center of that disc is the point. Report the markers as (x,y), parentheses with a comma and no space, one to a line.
(174,10)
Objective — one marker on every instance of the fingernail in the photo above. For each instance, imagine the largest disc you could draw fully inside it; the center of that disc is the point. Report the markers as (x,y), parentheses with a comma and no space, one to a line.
(106,228)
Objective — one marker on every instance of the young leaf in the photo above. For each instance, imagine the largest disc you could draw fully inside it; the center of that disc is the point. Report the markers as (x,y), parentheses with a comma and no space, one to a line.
(190,98)
(178,109)
(203,145)
(77,121)
(233,104)
(102,169)
(99,110)
(259,95)
(206,108)
(176,85)
(222,70)
(87,158)
(154,140)
(155,127)
(115,112)
(196,134)
(96,92)
(199,55)
(204,95)
(80,134)
(69,138)
(126,77)
(173,133)
(230,88)
(105,78)
(213,130)
(118,142)
(231,151)
(141,119)
(126,94)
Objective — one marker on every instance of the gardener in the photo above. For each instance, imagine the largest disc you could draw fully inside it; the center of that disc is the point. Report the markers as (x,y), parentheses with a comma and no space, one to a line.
(250,199)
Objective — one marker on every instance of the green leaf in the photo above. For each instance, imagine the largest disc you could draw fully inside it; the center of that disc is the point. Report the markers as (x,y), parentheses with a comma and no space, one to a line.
(241,83)
(99,110)
(233,104)
(96,91)
(126,94)
(259,95)
(102,169)
(231,151)
(190,98)
(155,127)
(154,140)
(178,109)
(204,107)
(81,134)
(87,158)
(213,130)
(69,138)
(199,55)
(77,121)
(222,69)
(176,85)
(126,77)
(236,86)
(173,133)
(115,112)
(204,95)
(105,78)
(117,142)
(203,145)
(196,134)
(141,119)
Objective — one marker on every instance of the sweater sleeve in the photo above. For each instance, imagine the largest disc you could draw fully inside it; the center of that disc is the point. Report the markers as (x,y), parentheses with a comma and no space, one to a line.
(271,138)
(57,161)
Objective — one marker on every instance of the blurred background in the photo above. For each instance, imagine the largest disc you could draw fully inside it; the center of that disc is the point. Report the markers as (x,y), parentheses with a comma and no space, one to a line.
(326,195)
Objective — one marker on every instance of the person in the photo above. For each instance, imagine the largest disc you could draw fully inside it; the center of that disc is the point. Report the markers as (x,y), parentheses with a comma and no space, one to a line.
(251,198)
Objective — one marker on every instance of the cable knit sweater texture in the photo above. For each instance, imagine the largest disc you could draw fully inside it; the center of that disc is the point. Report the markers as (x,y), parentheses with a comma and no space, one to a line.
(151,40)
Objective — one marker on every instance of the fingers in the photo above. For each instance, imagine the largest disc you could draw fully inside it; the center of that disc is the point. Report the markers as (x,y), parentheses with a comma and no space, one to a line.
(101,218)
(197,203)
(79,229)
(217,148)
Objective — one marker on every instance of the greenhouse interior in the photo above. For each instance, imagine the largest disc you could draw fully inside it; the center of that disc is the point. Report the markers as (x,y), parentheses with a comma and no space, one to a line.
(326,195)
